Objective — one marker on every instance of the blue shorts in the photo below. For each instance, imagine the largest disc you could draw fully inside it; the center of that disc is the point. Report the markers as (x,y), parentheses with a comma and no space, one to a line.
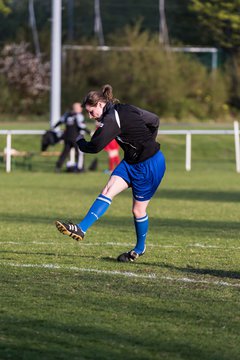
(143,177)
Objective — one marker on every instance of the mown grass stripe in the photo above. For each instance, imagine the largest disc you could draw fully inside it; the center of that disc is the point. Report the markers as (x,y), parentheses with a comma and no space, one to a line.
(123,273)
(203,246)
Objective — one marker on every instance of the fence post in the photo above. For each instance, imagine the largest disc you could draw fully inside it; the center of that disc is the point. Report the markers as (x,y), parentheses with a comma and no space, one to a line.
(237,145)
(8,152)
(188,150)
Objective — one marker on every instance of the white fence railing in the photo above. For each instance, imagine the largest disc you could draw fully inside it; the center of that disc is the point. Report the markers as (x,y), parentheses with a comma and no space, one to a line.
(8,149)
(187,133)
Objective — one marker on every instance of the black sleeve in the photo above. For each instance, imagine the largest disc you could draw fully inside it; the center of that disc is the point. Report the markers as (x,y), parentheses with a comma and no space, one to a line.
(152,122)
(62,120)
(84,128)
(107,131)
(57,124)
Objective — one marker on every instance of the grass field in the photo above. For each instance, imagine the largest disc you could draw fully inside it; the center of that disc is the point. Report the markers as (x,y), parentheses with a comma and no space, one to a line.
(64,300)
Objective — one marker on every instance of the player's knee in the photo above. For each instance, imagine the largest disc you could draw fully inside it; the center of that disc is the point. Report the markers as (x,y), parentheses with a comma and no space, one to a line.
(105,190)
(107,193)
(138,212)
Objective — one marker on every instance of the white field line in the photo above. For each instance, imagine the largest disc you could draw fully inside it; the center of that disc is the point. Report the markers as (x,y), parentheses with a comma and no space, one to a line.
(123,273)
(188,280)
(74,268)
(203,246)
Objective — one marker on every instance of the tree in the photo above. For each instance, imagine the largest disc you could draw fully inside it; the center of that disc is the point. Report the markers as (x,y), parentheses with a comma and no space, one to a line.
(4,6)
(221,19)
(24,70)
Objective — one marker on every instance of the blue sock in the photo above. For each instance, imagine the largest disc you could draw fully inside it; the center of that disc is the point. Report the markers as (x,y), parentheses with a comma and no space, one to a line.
(98,208)
(141,227)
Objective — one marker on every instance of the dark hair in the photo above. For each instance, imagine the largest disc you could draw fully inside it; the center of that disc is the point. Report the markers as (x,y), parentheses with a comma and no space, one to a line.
(105,95)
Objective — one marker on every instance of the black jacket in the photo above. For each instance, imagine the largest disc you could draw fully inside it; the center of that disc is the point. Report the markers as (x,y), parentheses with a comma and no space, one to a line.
(134,129)
(74,123)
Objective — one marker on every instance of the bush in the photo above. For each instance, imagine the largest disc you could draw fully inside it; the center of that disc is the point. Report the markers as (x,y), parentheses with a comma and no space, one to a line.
(147,75)
(233,75)
(170,84)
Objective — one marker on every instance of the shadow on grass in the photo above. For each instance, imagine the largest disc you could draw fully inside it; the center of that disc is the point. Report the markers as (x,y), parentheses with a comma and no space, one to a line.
(109,259)
(178,225)
(198,271)
(188,269)
(212,272)
(202,195)
(188,194)
(28,218)
(124,222)
(49,339)
(58,254)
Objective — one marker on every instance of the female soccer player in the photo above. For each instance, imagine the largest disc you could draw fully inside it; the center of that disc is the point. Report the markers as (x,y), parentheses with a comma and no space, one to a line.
(142,168)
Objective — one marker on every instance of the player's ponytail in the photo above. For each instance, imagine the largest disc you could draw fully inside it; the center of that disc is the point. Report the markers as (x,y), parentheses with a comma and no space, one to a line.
(105,95)
(107,92)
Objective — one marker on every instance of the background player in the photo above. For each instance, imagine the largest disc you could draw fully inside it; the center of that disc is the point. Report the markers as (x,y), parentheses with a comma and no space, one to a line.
(75,125)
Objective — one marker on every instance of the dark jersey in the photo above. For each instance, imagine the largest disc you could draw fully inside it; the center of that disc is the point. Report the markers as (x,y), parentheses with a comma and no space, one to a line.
(134,129)
(74,124)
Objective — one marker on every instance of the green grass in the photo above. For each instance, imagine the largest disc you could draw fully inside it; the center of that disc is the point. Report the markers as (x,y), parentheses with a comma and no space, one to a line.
(64,300)
(62,313)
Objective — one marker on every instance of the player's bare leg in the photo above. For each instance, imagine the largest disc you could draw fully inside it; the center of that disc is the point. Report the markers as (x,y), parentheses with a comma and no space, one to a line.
(114,186)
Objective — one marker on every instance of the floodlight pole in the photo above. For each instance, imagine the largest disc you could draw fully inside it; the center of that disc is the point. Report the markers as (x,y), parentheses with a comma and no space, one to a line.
(32,21)
(70,20)
(98,29)
(163,30)
(56,36)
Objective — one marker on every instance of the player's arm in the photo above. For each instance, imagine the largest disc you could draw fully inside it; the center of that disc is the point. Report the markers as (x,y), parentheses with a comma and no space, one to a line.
(83,127)
(152,122)
(107,131)
(61,120)
(81,124)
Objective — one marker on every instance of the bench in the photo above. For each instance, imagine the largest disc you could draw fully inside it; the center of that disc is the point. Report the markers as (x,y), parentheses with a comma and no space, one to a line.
(15,154)
(26,156)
